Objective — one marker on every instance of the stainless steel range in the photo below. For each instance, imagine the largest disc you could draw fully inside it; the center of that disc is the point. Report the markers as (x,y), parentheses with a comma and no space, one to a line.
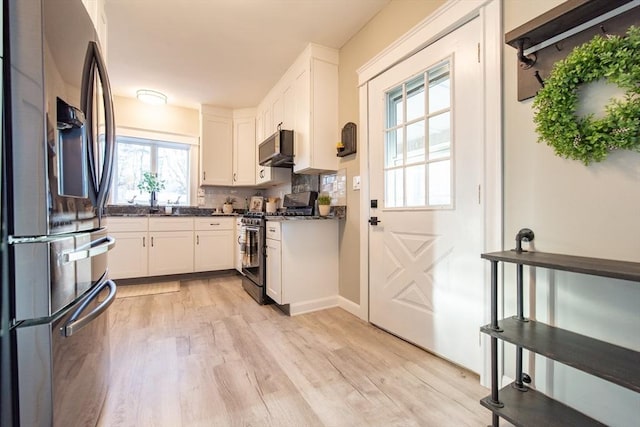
(253,261)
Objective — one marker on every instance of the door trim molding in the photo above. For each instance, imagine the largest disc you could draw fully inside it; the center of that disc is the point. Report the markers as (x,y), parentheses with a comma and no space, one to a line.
(443,21)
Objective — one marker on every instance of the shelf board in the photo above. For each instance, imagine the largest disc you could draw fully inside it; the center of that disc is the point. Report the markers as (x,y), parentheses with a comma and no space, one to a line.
(567,15)
(624,270)
(613,363)
(532,408)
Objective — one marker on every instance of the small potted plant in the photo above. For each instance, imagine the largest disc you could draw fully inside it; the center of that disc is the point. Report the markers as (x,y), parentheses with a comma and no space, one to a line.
(227,207)
(151,184)
(324,204)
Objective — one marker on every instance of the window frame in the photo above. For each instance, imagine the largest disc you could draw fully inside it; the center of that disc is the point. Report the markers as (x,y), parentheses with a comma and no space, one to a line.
(401,96)
(155,139)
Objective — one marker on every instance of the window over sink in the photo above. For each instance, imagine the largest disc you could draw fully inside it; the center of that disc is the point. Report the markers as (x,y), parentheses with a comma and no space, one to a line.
(166,155)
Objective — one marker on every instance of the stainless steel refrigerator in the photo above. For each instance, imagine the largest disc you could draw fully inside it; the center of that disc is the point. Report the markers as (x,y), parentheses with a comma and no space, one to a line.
(59,141)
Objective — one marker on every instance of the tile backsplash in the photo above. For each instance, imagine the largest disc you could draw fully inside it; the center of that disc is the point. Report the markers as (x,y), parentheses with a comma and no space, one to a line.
(214,197)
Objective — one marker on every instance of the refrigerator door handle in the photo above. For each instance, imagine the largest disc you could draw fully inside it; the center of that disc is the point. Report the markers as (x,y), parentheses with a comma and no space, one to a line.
(75,324)
(95,63)
(96,247)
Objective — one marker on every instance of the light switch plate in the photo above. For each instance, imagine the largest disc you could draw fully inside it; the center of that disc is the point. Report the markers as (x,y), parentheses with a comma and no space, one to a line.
(356,182)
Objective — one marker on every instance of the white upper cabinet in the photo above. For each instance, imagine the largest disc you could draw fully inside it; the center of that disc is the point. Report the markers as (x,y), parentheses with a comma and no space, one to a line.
(305,100)
(244,147)
(316,110)
(216,146)
(227,146)
(266,125)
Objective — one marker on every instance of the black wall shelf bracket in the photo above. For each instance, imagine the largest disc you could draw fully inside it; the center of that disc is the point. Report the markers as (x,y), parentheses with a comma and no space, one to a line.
(551,36)
(526,61)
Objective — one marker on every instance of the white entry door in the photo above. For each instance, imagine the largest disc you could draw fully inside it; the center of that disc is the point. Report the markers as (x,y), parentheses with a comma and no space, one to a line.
(426,169)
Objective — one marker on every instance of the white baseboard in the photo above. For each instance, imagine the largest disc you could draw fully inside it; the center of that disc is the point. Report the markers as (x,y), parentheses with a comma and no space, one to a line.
(353,308)
(312,305)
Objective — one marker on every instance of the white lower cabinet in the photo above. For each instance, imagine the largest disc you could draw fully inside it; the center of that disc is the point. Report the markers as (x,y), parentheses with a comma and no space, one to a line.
(274,270)
(170,245)
(302,264)
(128,258)
(158,246)
(170,252)
(214,249)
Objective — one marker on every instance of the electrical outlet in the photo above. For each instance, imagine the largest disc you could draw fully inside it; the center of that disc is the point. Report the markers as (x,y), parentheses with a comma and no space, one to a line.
(356,182)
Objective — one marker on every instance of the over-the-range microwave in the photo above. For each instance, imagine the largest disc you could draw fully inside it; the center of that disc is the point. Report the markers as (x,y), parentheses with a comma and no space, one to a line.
(277,150)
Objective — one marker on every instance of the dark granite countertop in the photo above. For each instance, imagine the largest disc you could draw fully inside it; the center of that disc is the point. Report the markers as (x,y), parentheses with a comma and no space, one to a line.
(134,210)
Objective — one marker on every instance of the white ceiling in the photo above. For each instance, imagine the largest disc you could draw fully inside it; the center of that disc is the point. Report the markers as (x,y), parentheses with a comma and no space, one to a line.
(220,52)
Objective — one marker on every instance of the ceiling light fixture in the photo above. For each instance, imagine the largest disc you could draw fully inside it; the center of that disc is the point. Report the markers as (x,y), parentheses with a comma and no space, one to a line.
(151,97)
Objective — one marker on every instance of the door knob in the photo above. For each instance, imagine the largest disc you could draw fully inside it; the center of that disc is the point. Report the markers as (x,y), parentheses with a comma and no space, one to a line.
(374,220)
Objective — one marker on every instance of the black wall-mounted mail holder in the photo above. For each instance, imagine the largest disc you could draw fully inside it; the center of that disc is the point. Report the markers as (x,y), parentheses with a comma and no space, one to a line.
(349,137)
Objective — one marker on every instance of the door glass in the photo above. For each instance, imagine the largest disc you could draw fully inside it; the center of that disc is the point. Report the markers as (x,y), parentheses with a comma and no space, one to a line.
(440,136)
(418,116)
(394,185)
(415,185)
(395,108)
(415,98)
(439,88)
(394,148)
(415,142)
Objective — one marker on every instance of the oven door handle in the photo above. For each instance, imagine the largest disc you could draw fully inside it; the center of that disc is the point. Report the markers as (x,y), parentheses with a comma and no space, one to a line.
(74,324)
(96,247)
(252,228)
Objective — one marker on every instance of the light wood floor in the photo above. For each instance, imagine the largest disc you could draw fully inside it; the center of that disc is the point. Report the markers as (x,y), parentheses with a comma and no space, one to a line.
(210,356)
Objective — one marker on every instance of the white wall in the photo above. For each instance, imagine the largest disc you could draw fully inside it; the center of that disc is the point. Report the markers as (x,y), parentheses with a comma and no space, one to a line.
(398,17)
(573,209)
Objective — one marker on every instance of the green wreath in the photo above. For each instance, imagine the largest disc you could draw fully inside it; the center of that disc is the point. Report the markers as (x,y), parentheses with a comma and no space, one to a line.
(614,58)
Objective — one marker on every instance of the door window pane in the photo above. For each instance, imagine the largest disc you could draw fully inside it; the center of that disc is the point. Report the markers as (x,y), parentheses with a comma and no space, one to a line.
(394,154)
(395,107)
(440,136)
(413,175)
(415,98)
(439,88)
(393,186)
(415,142)
(415,185)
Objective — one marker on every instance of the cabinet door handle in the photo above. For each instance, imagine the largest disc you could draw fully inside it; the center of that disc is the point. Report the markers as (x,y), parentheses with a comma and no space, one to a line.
(143,241)
(197,239)
(204,176)
(235,177)
(151,241)
(214,223)
(273,230)
(261,173)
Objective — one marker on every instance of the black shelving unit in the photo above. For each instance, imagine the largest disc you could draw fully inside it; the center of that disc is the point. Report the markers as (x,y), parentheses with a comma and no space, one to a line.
(522,405)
